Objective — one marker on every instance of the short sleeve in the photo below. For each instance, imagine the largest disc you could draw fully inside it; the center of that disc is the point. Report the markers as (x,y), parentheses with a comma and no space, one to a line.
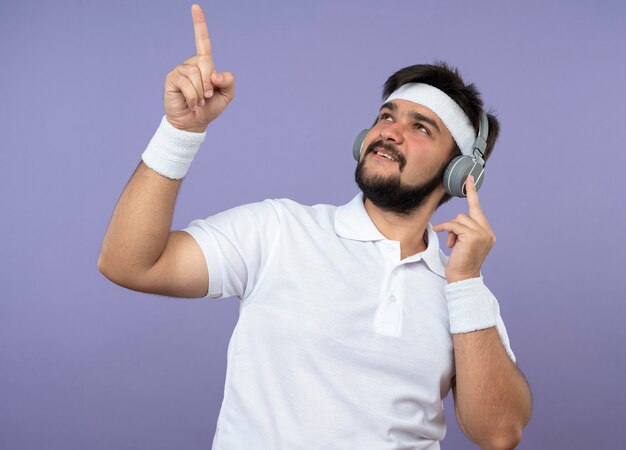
(237,243)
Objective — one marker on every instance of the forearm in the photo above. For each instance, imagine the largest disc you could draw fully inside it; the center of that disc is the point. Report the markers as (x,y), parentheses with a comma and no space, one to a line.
(140,225)
(492,397)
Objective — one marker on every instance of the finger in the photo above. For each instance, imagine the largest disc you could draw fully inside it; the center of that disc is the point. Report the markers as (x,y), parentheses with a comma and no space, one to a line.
(455,227)
(193,74)
(225,82)
(201,32)
(205,64)
(203,48)
(473,204)
(451,239)
(467,221)
(189,92)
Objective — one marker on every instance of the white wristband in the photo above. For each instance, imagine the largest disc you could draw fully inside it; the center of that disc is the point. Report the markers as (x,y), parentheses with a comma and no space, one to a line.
(171,150)
(471,305)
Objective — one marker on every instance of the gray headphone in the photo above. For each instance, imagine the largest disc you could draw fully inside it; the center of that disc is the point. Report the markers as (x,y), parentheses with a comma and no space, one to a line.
(469,163)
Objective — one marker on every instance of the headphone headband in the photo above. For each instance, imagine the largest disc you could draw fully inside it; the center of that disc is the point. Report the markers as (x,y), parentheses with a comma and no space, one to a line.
(480,143)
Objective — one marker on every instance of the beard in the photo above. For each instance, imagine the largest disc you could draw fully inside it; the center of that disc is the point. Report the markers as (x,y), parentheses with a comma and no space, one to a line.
(388,192)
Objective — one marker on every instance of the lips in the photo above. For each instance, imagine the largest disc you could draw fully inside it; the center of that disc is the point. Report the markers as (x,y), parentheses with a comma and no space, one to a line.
(384,154)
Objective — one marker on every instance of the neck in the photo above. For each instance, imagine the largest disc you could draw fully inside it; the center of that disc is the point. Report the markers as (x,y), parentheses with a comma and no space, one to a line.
(409,229)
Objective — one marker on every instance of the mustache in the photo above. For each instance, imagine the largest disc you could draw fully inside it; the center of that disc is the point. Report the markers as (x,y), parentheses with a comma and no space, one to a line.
(390,148)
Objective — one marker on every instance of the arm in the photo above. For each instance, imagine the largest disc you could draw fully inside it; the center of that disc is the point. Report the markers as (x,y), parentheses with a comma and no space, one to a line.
(138,250)
(492,398)
(139,234)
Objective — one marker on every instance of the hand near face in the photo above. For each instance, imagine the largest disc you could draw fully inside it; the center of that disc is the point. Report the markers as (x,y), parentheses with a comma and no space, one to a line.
(470,237)
(195,94)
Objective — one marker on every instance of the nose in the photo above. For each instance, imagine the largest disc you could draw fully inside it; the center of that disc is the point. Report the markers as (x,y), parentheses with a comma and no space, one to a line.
(392,132)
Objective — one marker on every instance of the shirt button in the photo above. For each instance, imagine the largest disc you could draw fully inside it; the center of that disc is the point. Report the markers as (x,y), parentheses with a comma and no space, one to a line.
(392,299)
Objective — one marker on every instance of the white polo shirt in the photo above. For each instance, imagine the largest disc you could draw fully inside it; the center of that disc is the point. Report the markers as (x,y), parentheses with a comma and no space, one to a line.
(339,344)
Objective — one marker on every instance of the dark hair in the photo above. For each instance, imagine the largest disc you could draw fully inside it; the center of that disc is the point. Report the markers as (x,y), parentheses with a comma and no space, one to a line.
(447,79)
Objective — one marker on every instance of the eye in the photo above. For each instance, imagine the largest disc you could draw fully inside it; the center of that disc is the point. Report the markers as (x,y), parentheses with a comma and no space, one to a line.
(386,116)
(421,128)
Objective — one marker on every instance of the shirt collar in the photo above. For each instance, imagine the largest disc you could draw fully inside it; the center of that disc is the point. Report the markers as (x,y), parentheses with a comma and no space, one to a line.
(353,222)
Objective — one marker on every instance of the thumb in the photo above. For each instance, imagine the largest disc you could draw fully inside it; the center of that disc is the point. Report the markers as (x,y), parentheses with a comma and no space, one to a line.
(225,82)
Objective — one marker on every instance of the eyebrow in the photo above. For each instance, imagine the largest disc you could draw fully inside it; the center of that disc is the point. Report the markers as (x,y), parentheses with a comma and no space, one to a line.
(413,115)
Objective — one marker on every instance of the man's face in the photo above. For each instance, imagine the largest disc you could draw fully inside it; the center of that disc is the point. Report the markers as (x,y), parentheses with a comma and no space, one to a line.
(419,146)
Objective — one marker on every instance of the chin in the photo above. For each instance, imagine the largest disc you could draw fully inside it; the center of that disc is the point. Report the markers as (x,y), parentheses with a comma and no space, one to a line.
(388,192)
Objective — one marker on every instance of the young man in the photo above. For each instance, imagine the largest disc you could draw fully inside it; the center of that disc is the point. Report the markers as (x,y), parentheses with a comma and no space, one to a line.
(353,324)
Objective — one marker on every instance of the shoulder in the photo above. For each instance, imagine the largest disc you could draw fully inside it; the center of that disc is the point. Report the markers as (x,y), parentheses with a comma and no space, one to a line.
(289,206)
(289,210)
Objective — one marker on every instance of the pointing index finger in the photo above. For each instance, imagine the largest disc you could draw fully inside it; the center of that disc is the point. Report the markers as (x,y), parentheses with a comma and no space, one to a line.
(473,204)
(203,43)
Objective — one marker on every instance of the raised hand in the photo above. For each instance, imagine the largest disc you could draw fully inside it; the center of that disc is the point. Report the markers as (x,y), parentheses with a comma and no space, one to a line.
(470,236)
(195,94)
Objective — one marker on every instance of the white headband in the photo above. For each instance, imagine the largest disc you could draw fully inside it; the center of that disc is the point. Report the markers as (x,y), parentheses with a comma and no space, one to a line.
(444,107)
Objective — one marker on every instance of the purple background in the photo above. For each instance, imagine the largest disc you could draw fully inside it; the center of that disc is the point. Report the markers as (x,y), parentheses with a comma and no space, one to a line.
(85,363)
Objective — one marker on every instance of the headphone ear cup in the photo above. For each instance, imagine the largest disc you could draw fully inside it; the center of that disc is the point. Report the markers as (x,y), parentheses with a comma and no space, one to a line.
(358,144)
(457,172)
